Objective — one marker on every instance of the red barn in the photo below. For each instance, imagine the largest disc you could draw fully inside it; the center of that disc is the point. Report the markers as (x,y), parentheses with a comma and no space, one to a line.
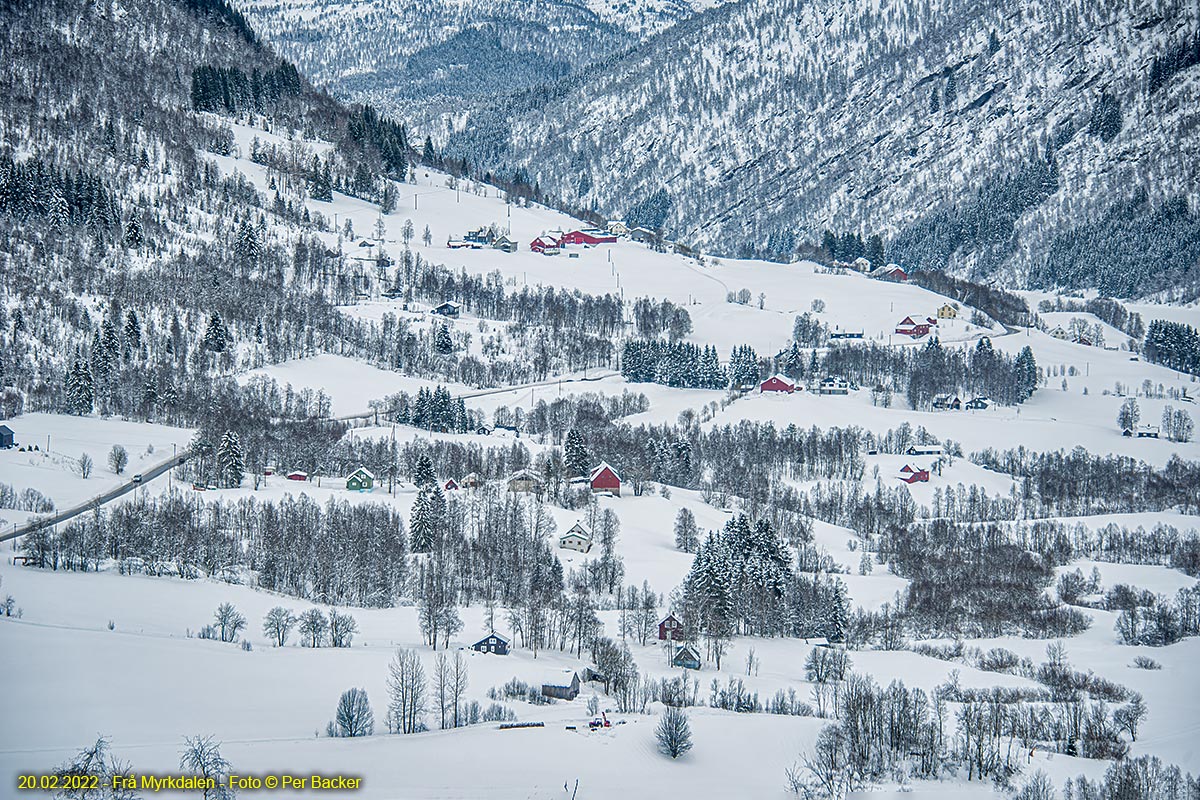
(670,628)
(588,237)
(605,479)
(919,476)
(546,245)
(777,383)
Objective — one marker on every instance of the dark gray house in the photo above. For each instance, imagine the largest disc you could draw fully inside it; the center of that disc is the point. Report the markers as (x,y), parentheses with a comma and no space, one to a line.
(492,643)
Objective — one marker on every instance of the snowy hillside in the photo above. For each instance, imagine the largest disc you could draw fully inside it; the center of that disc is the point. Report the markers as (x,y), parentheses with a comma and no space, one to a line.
(322,456)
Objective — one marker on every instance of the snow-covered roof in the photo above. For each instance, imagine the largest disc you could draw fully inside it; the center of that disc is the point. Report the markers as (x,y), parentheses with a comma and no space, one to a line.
(577,530)
(781,378)
(524,475)
(362,471)
(499,636)
(603,465)
(559,678)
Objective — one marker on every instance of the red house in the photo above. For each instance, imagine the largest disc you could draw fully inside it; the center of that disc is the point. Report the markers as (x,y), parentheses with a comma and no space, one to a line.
(891,272)
(777,383)
(915,325)
(907,469)
(297,475)
(919,476)
(605,479)
(546,245)
(670,628)
(450,485)
(588,237)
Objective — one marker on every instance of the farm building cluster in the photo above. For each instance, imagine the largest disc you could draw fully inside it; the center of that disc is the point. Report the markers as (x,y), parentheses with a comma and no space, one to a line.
(481,238)
(921,325)
(552,243)
(784,385)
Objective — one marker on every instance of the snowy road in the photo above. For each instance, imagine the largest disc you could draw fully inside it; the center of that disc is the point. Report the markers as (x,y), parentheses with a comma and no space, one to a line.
(98,500)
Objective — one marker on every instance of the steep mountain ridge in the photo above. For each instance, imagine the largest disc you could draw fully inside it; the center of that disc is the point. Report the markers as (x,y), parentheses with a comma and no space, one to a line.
(430,60)
(991,137)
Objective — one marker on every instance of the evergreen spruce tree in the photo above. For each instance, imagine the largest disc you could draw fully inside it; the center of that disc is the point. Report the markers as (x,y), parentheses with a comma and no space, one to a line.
(838,622)
(575,454)
(426,518)
(133,331)
(231,461)
(951,92)
(216,338)
(80,396)
(246,246)
(442,341)
(133,233)
(1027,374)
(423,474)
(743,366)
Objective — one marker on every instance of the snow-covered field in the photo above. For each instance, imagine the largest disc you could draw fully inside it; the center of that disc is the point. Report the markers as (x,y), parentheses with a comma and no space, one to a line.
(53,469)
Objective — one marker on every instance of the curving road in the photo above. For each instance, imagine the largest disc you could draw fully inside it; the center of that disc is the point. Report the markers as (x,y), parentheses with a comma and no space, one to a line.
(97,501)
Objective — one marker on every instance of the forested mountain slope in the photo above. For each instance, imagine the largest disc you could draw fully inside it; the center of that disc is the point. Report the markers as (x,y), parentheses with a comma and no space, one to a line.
(430,59)
(1046,143)
(136,273)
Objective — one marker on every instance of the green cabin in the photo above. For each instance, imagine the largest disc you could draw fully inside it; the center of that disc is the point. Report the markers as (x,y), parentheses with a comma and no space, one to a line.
(361,480)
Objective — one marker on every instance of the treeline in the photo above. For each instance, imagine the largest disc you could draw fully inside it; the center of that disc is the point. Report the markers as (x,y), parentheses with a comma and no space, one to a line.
(849,247)
(1105,308)
(232,90)
(975,581)
(982,226)
(1158,621)
(1174,345)
(880,732)
(680,364)
(431,409)
(652,318)
(742,583)
(222,10)
(1146,246)
(1178,58)
(1079,482)
(1003,306)
(922,374)
(342,553)
(1162,545)
(486,296)
(37,188)
(1141,778)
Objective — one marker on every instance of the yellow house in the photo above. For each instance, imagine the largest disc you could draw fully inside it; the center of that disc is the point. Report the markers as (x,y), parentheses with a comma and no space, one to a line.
(947,311)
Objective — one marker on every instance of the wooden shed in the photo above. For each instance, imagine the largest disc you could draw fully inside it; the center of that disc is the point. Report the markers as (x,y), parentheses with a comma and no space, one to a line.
(561,684)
